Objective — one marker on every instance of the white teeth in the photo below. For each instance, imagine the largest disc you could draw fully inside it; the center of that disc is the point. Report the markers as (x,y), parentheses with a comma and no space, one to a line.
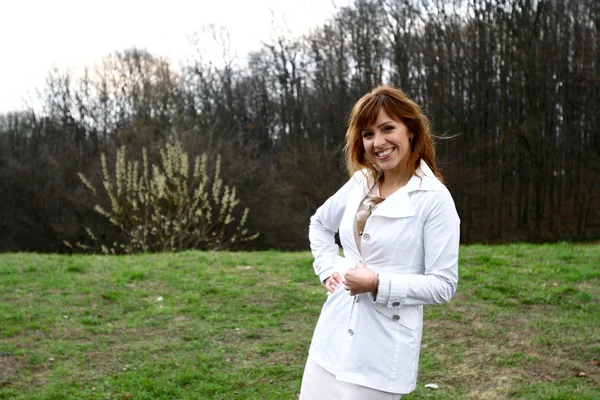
(384,153)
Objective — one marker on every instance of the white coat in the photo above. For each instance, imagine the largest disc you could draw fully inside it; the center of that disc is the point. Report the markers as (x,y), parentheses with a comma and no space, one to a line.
(411,240)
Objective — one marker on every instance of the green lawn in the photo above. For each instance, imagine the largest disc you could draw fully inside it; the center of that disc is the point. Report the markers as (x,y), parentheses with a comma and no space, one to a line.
(525,324)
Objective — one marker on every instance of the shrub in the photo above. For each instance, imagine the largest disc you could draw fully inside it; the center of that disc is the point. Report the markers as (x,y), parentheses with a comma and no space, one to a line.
(167,207)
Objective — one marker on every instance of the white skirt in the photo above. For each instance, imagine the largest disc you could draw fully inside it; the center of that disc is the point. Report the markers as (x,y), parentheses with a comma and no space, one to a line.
(318,384)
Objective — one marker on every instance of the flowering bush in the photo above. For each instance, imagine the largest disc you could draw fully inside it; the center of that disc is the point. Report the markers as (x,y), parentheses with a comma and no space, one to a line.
(167,207)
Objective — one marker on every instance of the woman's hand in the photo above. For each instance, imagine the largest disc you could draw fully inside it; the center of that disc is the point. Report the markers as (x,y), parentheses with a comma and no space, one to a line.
(333,281)
(361,280)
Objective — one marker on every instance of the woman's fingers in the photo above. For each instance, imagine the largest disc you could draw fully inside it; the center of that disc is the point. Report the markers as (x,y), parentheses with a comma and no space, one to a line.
(337,277)
(358,281)
(349,279)
(328,284)
(333,281)
(331,284)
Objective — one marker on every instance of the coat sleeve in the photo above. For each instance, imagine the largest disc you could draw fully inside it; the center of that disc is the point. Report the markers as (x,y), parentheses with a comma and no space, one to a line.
(441,237)
(322,229)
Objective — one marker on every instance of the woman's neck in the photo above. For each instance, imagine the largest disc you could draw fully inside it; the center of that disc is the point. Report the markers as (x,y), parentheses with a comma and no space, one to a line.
(390,182)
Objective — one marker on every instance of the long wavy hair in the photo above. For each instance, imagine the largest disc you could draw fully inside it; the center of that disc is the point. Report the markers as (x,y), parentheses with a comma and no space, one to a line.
(399,107)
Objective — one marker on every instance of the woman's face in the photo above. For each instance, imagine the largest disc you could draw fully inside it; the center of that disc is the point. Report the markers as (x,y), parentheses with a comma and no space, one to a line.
(387,143)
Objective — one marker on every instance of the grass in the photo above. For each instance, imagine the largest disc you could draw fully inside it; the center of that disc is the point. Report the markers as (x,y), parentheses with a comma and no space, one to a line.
(523,325)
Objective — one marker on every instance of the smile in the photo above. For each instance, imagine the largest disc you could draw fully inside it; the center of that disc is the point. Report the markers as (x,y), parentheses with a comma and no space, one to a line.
(384,153)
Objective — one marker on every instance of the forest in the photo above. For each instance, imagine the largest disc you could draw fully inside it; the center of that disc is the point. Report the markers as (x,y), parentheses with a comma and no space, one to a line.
(512,88)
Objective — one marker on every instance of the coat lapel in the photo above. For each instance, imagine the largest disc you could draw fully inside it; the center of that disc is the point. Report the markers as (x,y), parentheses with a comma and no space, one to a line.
(358,193)
(355,197)
(399,205)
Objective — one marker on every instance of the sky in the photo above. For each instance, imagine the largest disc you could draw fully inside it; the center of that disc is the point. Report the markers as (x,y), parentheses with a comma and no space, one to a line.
(38,35)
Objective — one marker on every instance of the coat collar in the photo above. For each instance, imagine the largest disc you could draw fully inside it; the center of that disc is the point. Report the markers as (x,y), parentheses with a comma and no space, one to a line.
(398,204)
(423,179)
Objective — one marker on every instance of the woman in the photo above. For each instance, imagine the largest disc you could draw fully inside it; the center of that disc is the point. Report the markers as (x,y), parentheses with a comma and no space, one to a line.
(399,230)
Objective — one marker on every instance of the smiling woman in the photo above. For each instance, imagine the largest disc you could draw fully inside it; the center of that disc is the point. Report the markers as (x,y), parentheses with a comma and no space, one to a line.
(387,145)
(400,233)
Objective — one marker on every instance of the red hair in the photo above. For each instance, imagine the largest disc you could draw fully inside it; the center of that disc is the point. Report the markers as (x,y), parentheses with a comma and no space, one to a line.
(399,107)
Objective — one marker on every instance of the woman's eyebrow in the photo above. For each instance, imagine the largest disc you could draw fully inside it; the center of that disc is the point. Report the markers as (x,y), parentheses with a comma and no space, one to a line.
(379,126)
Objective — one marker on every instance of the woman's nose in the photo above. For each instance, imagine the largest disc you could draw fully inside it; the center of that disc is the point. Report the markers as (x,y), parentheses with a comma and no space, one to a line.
(379,140)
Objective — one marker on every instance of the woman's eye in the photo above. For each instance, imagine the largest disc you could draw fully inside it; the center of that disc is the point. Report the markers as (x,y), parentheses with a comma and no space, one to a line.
(367,134)
(387,128)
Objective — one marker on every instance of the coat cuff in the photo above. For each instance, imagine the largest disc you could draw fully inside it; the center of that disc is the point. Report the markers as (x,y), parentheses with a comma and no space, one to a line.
(323,272)
(391,292)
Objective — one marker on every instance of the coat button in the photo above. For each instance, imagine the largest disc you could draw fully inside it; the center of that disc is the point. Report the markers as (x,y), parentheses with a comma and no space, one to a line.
(395,304)
(396,318)
(350,332)
(366,237)
(356,299)
(318,268)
